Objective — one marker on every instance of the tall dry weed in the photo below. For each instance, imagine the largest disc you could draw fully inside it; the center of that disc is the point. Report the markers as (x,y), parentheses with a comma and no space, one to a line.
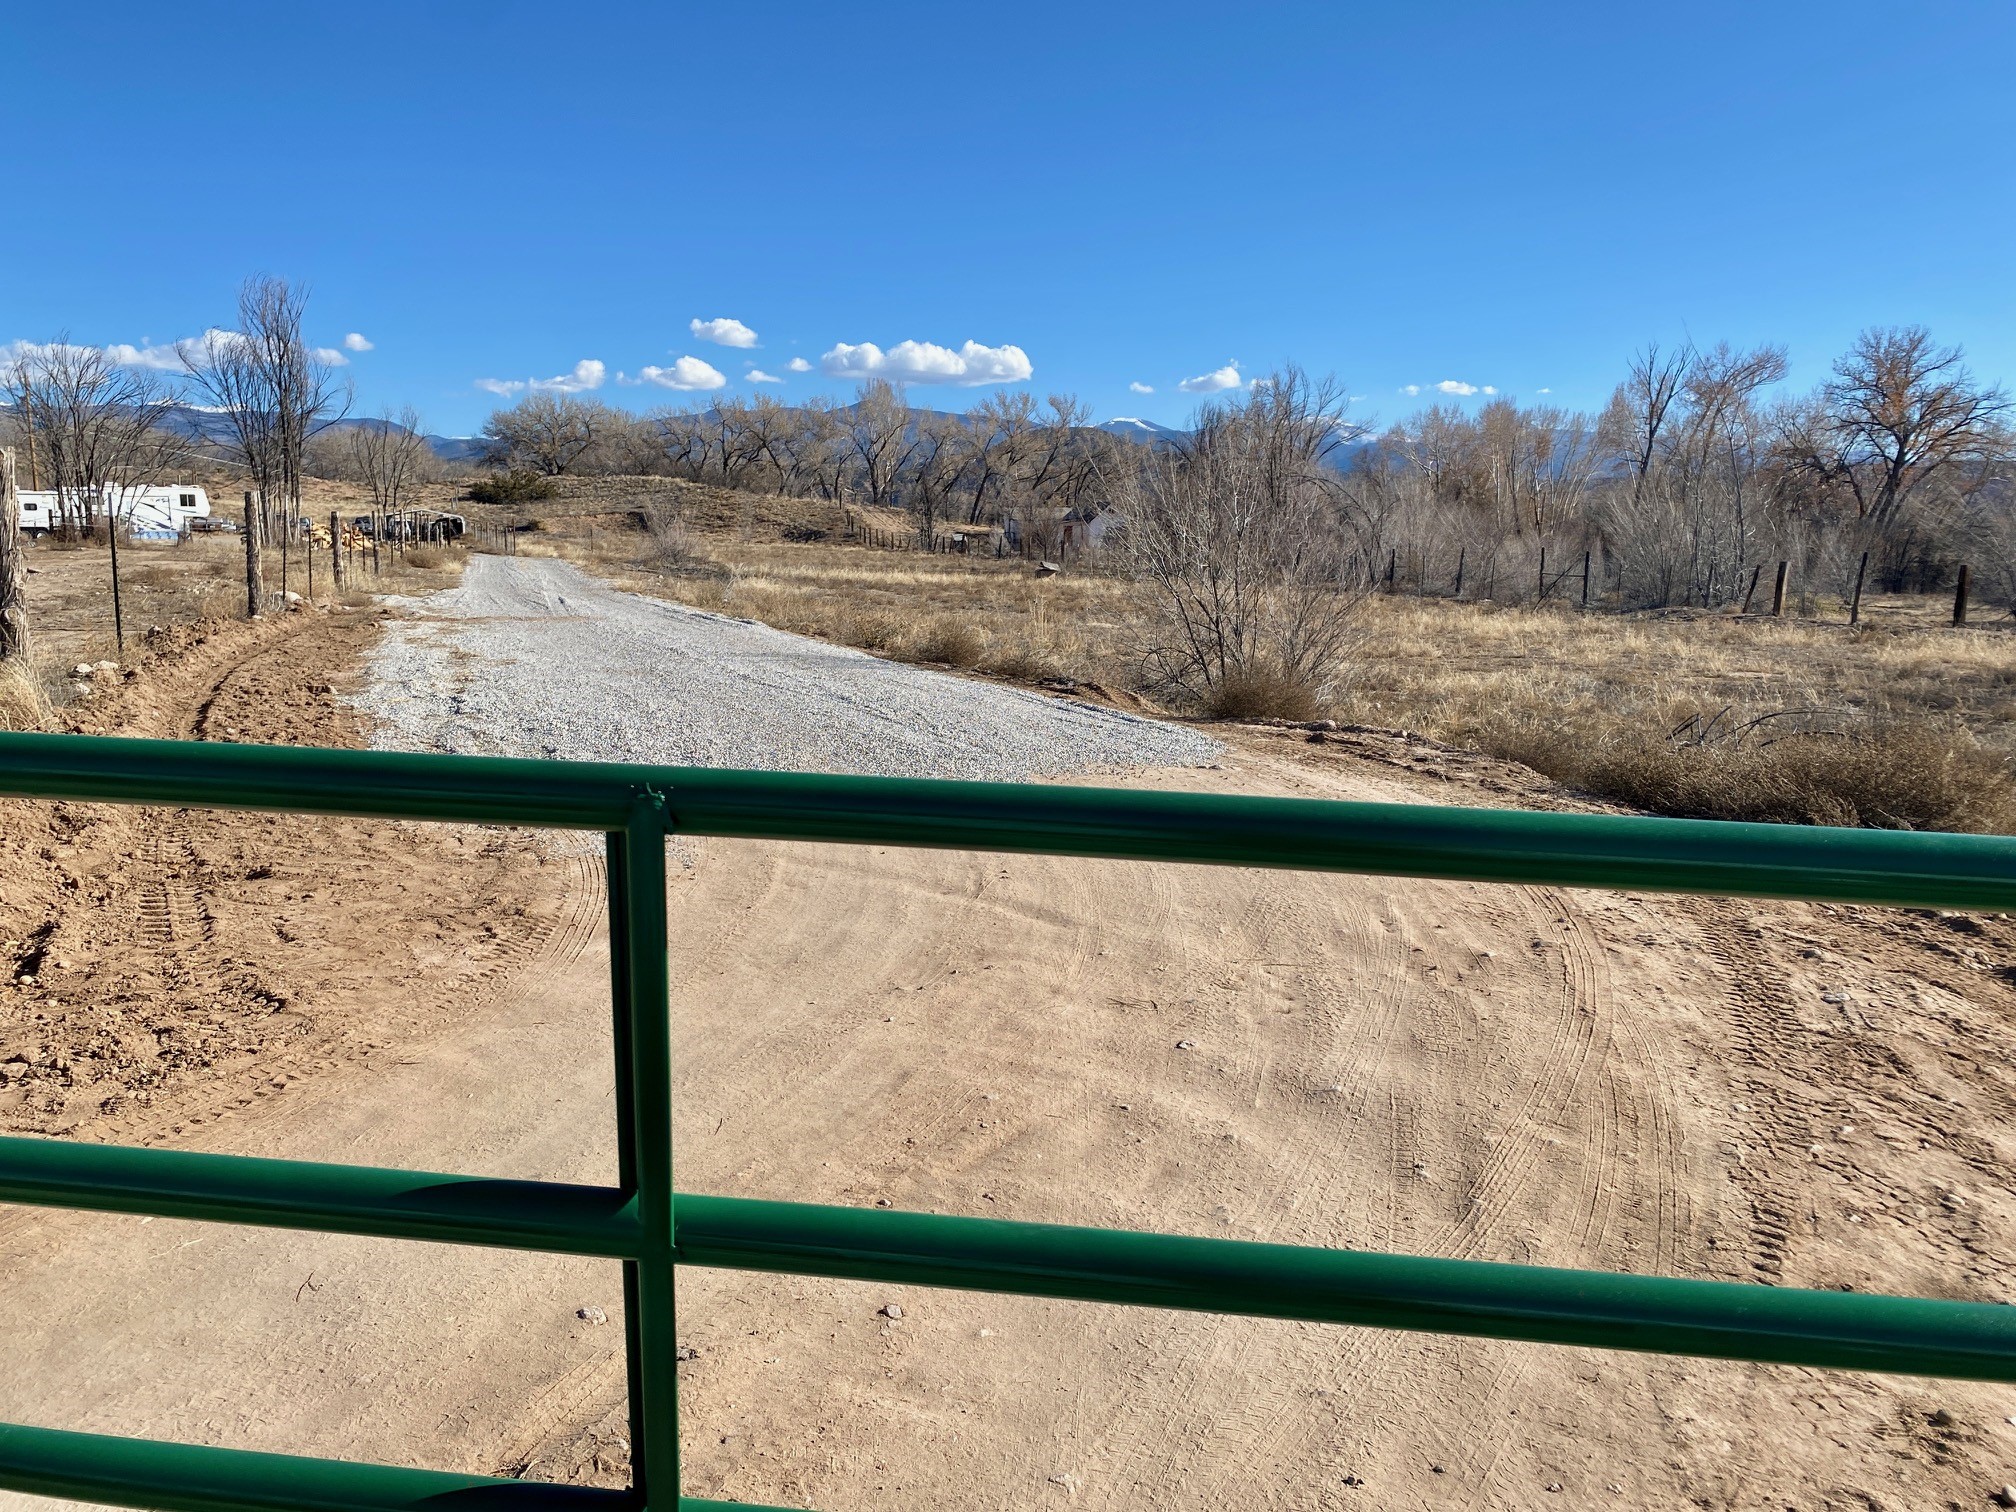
(24,705)
(1915,774)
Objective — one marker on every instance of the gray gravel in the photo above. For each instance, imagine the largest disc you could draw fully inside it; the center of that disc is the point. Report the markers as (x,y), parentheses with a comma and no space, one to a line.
(531,657)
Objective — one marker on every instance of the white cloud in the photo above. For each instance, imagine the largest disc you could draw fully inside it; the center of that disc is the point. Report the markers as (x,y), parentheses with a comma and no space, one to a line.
(165,357)
(687,374)
(722,332)
(168,358)
(1489,390)
(1546,391)
(1410,389)
(798,365)
(588,374)
(757,375)
(355,342)
(926,362)
(1140,388)
(332,356)
(1454,386)
(1216,382)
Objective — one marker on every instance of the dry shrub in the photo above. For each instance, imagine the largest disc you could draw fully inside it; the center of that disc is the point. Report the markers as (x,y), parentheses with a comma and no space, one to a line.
(1915,775)
(878,630)
(949,640)
(1027,660)
(671,546)
(1261,692)
(23,703)
(426,558)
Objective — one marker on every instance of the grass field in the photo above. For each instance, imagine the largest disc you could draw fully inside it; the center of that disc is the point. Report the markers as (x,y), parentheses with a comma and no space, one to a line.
(1900,721)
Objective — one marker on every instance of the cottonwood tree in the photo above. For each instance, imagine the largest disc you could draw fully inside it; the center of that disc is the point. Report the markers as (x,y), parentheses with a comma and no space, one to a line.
(547,433)
(1901,411)
(1239,535)
(937,456)
(878,432)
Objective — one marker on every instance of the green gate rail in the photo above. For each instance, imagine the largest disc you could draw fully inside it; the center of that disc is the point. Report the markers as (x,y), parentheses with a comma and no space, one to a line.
(642,1223)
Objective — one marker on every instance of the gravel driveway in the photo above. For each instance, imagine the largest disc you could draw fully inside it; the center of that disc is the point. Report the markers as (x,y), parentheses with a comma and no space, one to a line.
(531,657)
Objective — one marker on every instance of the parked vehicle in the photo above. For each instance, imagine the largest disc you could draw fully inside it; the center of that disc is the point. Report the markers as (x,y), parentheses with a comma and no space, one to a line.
(154,512)
(414,525)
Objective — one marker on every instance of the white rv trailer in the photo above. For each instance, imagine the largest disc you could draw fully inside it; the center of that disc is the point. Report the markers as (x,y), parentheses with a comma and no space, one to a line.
(156,512)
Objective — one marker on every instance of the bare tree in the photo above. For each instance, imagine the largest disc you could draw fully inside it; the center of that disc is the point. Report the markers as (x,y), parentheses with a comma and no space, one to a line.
(389,456)
(100,427)
(275,391)
(547,433)
(1239,534)
(1636,419)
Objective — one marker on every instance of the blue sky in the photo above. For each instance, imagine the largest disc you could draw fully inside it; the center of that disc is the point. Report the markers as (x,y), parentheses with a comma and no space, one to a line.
(1513,196)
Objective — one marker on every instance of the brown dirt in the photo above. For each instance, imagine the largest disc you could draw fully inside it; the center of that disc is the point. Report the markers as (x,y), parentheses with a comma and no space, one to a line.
(156,964)
(1781,1093)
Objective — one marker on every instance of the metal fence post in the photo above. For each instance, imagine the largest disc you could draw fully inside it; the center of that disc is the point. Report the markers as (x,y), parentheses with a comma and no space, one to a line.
(643,1036)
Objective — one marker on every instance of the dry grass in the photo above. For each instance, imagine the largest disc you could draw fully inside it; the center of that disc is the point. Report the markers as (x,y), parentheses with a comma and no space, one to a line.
(948,639)
(1901,725)
(1917,721)
(24,705)
(1262,693)
(971,612)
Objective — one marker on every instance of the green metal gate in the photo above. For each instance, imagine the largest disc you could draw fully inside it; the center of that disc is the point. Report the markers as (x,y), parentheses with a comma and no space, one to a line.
(641,1222)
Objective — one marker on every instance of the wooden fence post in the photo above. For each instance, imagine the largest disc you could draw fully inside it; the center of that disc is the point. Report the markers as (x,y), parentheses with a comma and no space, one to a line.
(1462,554)
(255,570)
(1778,591)
(13,600)
(1585,580)
(1751,592)
(336,550)
(1960,597)
(1855,603)
(1392,558)
(1543,577)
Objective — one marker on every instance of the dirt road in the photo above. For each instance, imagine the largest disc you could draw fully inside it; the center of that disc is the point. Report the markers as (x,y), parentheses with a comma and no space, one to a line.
(1775,1093)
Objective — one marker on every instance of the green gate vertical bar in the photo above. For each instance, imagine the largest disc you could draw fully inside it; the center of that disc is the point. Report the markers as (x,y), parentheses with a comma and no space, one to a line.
(639,977)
